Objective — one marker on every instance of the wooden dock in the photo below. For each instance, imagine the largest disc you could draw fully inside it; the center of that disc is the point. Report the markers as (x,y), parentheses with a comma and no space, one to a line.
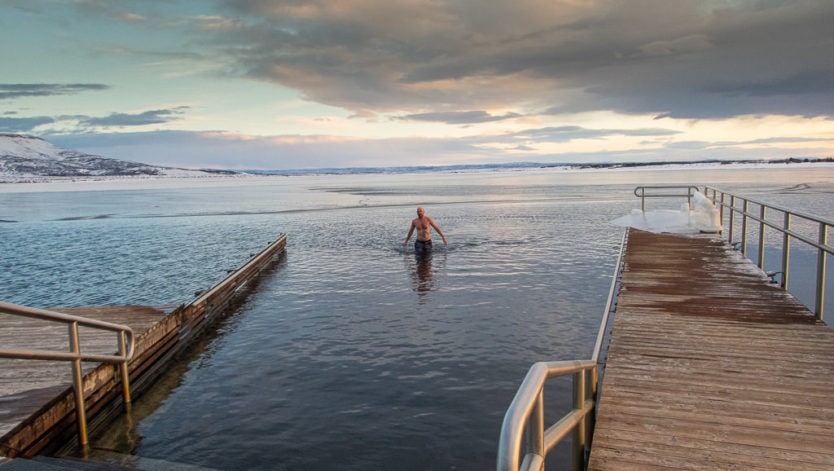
(711,367)
(26,385)
(37,412)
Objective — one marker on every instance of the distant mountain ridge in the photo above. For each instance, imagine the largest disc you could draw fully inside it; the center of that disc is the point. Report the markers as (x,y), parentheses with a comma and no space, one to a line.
(30,158)
(532,165)
(23,156)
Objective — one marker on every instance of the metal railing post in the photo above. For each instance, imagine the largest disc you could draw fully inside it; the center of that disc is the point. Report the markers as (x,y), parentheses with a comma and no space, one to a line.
(78,385)
(820,304)
(762,213)
(721,208)
(579,431)
(732,217)
(592,417)
(123,368)
(744,208)
(786,251)
(535,427)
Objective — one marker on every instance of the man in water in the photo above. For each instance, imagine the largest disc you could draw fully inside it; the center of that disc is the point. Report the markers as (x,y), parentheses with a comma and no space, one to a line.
(423,224)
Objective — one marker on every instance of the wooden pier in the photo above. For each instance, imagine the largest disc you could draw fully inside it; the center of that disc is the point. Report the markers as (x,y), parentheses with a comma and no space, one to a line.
(26,385)
(711,367)
(36,400)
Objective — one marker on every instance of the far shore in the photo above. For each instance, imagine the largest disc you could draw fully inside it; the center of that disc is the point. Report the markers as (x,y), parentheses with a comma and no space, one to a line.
(12,184)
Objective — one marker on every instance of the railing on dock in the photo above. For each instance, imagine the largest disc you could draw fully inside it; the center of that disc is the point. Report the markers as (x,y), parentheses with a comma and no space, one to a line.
(666,191)
(739,205)
(125,343)
(526,412)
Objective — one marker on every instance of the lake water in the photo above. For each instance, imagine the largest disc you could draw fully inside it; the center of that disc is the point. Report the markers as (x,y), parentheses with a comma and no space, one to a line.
(351,353)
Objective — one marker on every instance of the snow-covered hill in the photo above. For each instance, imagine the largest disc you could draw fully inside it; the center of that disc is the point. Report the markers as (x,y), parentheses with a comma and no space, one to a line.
(24,157)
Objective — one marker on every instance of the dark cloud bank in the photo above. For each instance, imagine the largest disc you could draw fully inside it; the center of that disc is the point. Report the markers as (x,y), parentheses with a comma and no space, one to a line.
(683,59)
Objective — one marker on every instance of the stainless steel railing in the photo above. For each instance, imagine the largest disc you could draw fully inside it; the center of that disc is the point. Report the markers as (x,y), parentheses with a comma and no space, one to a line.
(742,206)
(526,412)
(125,342)
(666,191)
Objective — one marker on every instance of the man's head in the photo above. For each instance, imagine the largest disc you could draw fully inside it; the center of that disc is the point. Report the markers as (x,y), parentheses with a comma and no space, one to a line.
(420,212)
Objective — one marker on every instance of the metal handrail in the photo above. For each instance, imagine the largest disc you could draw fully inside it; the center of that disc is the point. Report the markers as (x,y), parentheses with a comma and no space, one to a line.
(719,198)
(641,193)
(126,345)
(526,411)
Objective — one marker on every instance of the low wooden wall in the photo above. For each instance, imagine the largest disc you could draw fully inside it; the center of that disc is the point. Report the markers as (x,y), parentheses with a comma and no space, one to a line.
(54,424)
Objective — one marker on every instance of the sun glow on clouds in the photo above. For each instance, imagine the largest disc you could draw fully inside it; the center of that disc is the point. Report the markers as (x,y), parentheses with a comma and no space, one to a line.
(626,133)
(282,140)
(758,132)
(216,23)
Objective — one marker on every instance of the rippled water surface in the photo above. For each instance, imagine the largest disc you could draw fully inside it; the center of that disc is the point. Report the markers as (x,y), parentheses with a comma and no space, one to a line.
(351,353)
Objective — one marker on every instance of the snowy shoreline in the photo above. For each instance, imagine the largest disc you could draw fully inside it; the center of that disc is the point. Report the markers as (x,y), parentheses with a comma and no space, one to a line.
(543,168)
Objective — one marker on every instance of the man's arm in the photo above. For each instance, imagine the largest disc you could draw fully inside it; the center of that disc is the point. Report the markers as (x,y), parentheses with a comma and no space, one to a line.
(431,221)
(410,231)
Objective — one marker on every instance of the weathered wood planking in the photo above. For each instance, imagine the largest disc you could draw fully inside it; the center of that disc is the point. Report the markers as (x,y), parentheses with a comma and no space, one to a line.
(158,341)
(711,367)
(26,385)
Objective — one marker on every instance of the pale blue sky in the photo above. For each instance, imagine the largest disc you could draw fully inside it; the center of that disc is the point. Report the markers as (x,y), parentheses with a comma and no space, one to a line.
(248,84)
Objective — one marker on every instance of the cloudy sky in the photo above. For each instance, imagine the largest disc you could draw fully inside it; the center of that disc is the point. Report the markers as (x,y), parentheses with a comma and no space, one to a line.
(282,84)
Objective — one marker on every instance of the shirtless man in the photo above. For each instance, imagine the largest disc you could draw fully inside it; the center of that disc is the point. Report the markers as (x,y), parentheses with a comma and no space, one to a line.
(423,224)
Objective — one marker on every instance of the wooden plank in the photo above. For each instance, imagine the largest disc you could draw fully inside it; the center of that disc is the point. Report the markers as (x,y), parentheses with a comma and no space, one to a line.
(726,433)
(710,366)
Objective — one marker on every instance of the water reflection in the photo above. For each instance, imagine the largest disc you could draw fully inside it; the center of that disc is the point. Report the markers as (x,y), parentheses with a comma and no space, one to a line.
(424,281)
(423,269)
